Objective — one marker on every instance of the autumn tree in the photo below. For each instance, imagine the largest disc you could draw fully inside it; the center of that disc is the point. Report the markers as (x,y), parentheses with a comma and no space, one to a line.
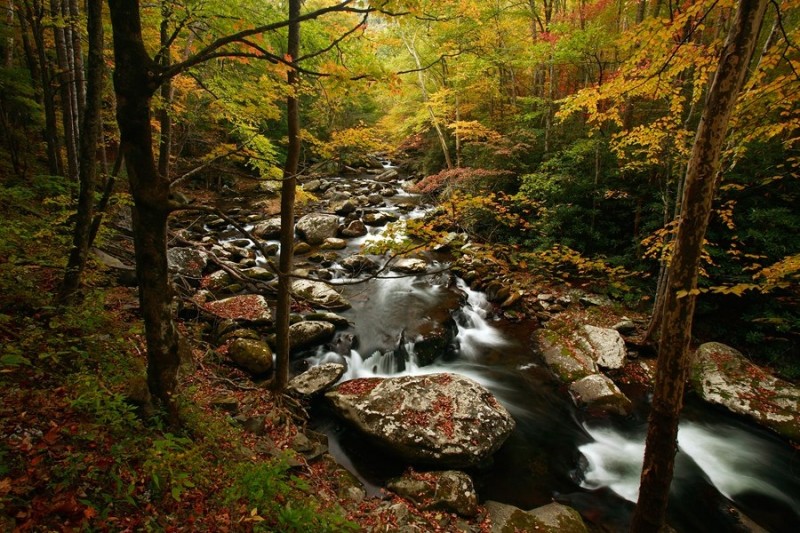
(698,195)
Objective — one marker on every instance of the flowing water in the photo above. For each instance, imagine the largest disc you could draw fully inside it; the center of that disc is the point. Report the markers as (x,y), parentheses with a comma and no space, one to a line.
(724,465)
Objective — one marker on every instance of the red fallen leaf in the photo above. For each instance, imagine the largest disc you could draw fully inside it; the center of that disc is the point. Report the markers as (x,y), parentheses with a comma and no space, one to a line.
(89,512)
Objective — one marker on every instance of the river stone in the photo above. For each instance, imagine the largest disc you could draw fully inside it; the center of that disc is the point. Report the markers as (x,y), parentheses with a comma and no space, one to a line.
(187,261)
(564,358)
(310,333)
(442,419)
(316,379)
(598,393)
(387,175)
(606,346)
(337,320)
(409,265)
(255,356)
(333,243)
(357,264)
(320,294)
(448,490)
(217,281)
(356,228)
(259,273)
(301,248)
(551,518)
(721,375)
(249,307)
(267,229)
(345,207)
(314,228)
(378,219)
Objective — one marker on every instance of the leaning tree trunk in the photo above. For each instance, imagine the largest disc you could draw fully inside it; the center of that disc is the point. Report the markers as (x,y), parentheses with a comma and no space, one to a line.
(287,207)
(673,359)
(66,86)
(87,153)
(135,81)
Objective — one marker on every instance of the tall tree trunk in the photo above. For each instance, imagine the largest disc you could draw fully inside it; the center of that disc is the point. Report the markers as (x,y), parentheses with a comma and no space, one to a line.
(698,195)
(165,122)
(88,152)
(8,53)
(66,89)
(287,206)
(77,61)
(135,81)
(32,18)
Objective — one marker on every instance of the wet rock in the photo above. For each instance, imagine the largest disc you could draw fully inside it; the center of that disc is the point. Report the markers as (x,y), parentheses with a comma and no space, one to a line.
(606,346)
(345,207)
(249,307)
(301,248)
(242,333)
(314,228)
(434,338)
(379,219)
(358,264)
(723,376)
(216,282)
(333,243)
(310,333)
(320,294)
(441,419)
(316,379)
(599,394)
(375,199)
(551,518)
(309,447)
(337,320)
(564,358)
(448,490)
(252,355)
(409,265)
(387,175)
(625,326)
(356,228)
(187,262)
(312,185)
(259,273)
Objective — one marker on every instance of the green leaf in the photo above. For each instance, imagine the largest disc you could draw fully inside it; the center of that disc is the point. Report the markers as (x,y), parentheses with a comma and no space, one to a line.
(14,359)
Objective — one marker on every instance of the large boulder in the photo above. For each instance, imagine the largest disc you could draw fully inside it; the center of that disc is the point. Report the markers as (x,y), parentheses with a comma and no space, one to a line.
(605,345)
(448,490)
(309,333)
(599,394)
(721,375)
(320,294)
(248,307)
(314,228)
(550,518)
(255,356)
(567,361)
(442,419)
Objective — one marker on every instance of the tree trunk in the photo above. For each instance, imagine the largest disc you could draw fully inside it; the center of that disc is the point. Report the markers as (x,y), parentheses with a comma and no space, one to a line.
(135,81)
(34,12)
(673,354)
(88,153)
(66,89)
(165,122)
(77,61)
(287,207)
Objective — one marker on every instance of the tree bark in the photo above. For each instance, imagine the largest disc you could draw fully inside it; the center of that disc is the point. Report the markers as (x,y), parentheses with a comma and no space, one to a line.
(698,195)
(287,207)
(34,12)
(88,153)
(135,81)
(69,117)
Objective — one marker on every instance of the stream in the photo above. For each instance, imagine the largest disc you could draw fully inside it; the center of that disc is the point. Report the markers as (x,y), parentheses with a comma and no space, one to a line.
(724,464)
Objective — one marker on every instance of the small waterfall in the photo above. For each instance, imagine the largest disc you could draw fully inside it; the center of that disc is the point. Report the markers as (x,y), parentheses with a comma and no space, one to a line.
(475,334)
